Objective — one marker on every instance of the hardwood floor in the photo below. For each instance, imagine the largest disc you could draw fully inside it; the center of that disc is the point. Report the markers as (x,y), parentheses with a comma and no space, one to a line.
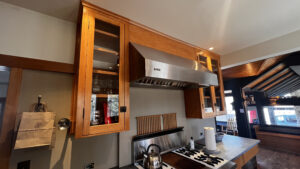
(270,159)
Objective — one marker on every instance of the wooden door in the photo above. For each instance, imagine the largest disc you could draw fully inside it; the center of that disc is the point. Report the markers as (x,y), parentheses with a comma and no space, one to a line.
(101,76)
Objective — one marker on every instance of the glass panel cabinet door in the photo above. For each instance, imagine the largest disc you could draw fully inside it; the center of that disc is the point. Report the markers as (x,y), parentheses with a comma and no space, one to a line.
(105,80)
(104,77)
(207,92)
(219,90)
(203,61)
(208,100)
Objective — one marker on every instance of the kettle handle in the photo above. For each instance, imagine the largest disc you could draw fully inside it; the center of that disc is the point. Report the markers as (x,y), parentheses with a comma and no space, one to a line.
(153,145)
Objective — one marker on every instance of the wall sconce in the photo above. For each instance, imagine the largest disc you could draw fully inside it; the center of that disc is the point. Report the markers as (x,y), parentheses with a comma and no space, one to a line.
(64,124)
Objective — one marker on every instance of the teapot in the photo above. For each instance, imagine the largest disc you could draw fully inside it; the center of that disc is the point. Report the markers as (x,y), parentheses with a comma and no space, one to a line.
(152,160)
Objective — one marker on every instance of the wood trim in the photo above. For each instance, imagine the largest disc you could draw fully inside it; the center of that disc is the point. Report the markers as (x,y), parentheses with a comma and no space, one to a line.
(9,116)
(35,64)
(277,141)
(81,79)
(76,69)
(278,135)
(127,78)
(88,55)
(102,129)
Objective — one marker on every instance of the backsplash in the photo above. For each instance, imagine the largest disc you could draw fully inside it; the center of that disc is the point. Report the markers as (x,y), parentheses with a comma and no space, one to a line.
(146,101)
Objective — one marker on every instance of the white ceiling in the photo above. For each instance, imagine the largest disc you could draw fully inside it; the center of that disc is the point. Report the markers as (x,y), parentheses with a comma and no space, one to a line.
(227,25)
(64,9)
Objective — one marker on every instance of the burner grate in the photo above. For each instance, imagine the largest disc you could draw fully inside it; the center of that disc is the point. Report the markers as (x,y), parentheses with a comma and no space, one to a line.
(201,157)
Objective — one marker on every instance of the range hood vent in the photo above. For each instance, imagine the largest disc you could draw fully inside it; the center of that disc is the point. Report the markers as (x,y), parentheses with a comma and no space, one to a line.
(152,68)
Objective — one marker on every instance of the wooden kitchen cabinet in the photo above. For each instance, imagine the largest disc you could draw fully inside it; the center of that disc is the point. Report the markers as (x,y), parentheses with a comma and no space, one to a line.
(100,87)
(219,90)
(206,102)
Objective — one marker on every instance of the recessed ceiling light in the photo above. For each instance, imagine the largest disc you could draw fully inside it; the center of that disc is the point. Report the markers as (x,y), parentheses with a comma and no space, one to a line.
(211,48)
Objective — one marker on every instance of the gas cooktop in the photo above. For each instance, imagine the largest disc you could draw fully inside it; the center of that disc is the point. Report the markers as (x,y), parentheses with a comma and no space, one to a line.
(201,157)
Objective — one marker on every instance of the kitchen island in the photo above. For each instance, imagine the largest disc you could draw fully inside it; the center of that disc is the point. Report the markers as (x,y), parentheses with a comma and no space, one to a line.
(237,149)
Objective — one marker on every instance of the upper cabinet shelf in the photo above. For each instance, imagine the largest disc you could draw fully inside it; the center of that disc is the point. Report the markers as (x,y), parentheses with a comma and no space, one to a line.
(105,72)
(106,33)
(102,49)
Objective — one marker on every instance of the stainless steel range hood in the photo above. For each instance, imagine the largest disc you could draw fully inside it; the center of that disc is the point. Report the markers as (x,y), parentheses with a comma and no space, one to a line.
(152,68)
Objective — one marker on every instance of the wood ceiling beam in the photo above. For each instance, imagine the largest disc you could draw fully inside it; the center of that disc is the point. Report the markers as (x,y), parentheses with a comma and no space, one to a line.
(265,76)
(280,84)
(269,62)
(246,70)
(284,88)
(277,82)
(272,79)
(283,92)
(251,69)
(290,90)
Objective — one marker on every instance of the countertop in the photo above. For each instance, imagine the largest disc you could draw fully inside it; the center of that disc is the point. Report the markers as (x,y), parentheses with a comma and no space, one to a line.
(231,147)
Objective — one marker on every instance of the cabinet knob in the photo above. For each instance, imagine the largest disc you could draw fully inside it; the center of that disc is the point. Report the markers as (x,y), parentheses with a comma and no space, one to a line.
(123,109)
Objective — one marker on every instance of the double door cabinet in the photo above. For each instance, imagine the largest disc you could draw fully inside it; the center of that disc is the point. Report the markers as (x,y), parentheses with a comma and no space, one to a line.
(101,88)
(206,102)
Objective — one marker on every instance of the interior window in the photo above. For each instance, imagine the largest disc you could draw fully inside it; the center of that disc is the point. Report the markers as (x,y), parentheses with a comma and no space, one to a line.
(4,79)
(229,107)
(282,115)
(252,115)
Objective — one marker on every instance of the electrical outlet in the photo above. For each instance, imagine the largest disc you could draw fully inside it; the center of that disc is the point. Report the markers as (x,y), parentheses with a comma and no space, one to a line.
(24,165)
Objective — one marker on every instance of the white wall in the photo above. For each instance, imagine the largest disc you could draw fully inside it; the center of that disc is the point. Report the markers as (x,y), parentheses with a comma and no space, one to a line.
(274,47)
(145,101)
(68,153)
(31,34)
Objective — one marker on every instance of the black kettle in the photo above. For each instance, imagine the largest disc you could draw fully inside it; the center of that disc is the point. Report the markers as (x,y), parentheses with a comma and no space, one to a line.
(152,160)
